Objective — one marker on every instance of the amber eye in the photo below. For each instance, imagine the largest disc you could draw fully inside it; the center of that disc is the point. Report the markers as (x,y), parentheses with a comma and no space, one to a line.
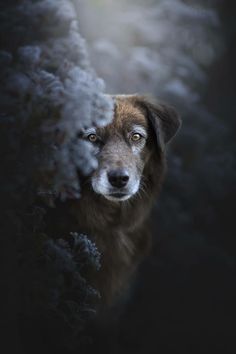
(136,137)
(92,138)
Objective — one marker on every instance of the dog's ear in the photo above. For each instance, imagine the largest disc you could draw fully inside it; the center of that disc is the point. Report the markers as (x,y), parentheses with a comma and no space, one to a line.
(164,119)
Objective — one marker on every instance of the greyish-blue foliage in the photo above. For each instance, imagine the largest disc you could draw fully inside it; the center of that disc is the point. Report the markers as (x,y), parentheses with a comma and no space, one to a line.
(48,94)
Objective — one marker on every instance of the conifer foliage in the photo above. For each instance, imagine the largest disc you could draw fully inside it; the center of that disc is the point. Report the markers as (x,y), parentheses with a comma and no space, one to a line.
(49,92)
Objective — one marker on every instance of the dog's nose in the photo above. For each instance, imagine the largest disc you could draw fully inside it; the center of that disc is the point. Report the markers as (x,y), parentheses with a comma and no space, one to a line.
(118,178)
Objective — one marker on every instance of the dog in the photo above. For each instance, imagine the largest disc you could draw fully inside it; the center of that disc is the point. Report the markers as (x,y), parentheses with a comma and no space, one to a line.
(116,199)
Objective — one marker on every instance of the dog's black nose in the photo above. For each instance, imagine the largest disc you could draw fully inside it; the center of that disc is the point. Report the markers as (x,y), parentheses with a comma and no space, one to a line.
(118,178)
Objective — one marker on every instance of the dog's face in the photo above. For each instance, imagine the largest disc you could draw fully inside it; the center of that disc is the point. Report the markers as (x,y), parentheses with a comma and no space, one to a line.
(124,147)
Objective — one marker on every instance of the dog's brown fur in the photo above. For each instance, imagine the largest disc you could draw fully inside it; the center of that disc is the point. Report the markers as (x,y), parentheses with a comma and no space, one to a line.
(120,229)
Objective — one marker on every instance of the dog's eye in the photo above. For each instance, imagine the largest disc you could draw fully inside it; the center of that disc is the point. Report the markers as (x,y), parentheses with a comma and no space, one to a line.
(92,138)
(136,137)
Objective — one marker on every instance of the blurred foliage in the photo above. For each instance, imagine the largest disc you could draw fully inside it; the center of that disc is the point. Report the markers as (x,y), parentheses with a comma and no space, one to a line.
(48,94)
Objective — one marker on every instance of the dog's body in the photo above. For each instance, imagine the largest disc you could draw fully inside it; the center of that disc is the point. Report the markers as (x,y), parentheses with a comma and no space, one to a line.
(116,199)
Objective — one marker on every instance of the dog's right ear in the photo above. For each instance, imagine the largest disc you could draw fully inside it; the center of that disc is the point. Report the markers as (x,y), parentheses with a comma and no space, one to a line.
(164,119)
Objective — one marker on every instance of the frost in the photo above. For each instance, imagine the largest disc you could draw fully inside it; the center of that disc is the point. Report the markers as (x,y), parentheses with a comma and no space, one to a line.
(30,55)
(62,91)
(48,93)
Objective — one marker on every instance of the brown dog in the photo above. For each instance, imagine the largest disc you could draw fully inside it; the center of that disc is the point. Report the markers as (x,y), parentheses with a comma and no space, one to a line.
(116,199)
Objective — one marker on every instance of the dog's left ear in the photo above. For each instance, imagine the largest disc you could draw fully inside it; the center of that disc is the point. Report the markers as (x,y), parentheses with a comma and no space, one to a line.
(164,119)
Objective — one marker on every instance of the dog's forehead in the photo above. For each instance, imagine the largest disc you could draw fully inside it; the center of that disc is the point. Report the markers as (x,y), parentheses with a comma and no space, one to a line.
(127,115)
(126,112)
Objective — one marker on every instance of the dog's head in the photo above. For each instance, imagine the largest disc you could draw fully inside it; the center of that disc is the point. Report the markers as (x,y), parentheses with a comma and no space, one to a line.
(124,147)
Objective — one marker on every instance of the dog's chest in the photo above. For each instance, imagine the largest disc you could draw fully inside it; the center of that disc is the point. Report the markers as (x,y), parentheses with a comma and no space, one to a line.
(120,236)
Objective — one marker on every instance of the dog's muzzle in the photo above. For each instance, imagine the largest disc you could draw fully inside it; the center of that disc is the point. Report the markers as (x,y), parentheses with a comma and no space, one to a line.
(115,184)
